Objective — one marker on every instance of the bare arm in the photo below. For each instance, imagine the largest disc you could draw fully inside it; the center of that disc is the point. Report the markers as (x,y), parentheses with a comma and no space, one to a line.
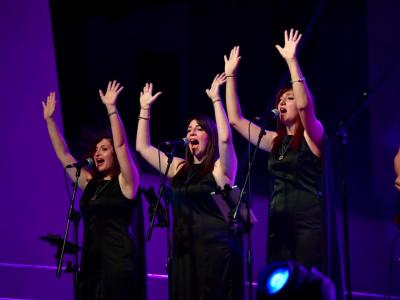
(397,170)
(143,143)
(129,177)
(235,116)
(59,144)
(226,166)
(313,128)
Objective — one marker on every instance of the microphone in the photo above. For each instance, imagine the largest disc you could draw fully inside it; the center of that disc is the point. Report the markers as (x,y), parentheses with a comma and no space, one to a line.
(271,115)
(89,162)
(181,142)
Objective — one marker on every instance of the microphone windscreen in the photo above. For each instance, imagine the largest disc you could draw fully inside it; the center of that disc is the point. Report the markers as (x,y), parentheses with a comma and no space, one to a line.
(276,113)
(90,162)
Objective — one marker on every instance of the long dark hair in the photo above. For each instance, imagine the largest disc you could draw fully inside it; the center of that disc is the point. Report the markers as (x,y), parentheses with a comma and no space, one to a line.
(115,169)
(212,151)
(281,129)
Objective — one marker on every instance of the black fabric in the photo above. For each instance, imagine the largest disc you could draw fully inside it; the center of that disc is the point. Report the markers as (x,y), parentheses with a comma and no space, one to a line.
(296,211)
(207,260)
(112,264)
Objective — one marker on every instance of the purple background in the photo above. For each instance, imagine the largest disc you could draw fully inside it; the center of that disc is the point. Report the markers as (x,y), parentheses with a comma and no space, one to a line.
(34,197)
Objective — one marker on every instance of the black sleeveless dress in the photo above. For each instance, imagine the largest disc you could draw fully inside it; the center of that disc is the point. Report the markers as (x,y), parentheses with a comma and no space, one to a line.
(112,264)
(207,260)
(296,210)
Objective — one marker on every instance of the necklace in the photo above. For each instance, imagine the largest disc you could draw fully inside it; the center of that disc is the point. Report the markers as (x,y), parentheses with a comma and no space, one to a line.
(99,190)
(283,149)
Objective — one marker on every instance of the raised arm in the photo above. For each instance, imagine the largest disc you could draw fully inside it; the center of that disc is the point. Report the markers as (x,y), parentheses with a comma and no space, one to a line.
(226,165)
(235,116)
(128,178)
(314,131)
(143,143)
(397,170)
(58,141)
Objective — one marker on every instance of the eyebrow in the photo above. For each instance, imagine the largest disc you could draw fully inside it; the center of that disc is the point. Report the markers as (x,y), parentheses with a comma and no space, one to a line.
(195,126)
(97,147)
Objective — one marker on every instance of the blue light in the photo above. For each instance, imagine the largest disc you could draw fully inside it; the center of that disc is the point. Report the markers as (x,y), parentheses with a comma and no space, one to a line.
(277,280)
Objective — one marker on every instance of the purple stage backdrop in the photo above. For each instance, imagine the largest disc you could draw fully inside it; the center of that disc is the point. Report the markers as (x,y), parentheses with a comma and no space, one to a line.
(34,194)
(32,182)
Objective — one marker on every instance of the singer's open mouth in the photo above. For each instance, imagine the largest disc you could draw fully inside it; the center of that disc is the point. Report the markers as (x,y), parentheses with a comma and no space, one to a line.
(282,110)
(99,161)
(194,142)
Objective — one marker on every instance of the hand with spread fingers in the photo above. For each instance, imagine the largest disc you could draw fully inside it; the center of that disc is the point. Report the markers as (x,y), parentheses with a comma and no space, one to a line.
(288,52)
(146,96)
(112,92)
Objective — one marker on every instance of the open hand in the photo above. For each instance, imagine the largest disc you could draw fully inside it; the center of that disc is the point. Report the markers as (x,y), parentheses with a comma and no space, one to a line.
(288,51)
(232,63)
(112,92)
(213,91)
(146,96)
(49,106)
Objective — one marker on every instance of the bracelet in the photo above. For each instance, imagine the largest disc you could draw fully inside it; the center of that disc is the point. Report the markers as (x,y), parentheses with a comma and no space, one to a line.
(112,113)
(216,101)
(298,80)
(233,76)
(145,108)
(143,118)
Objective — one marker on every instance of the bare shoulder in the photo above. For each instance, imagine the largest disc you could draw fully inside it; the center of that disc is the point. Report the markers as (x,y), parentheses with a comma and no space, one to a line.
(177,165)
(268,140)
(314,147)
(84,179)
(127,189)
(220,178)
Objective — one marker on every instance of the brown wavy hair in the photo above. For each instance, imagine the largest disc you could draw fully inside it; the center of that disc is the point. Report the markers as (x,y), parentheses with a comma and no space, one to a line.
(281,129)
(212,151)
(115,169)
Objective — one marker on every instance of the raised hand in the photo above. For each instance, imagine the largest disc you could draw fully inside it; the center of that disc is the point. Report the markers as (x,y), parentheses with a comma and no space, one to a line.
(49,106)
(213,91)
(112,92)
(232,63)
(288,51)
(146,96)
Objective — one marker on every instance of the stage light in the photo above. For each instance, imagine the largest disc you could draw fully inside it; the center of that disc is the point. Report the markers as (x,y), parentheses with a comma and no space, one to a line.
(277,280)
(289,280)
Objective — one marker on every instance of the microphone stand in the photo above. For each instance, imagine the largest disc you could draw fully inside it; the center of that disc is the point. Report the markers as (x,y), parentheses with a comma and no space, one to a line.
(73,216)
(249,260)
(170,156)
(342,134)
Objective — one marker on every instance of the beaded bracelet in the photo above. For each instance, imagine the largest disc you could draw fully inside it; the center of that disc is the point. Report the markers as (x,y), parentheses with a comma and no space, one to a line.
(298,80)
(216,100)
(143,118)
(112,113)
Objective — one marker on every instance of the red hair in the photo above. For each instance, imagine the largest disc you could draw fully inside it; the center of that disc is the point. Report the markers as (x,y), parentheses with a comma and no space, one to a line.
(281,128)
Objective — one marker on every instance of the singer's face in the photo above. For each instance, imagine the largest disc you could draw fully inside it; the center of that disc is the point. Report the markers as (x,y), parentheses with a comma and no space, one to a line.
(103,157)
(198,140)
(287,108)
